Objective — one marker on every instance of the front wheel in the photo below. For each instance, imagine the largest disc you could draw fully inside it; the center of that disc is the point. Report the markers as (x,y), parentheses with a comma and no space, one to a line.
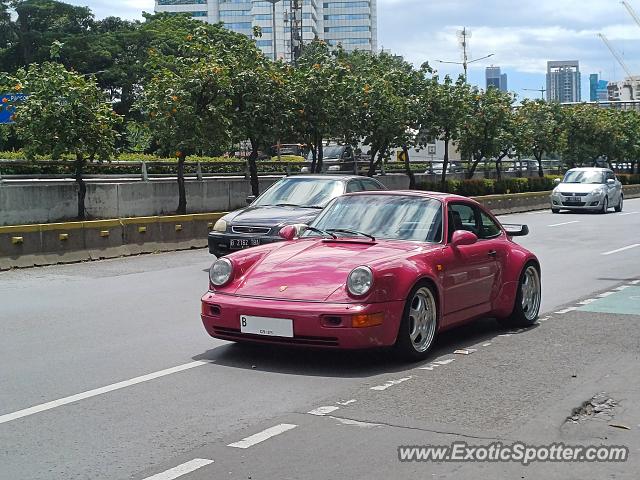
(605,205)
(419,324)
(619,206)
(555,210)
(528,298)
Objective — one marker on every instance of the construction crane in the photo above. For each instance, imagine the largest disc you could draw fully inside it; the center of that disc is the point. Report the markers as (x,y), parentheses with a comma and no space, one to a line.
(541,90)
(616,55)
(632,12)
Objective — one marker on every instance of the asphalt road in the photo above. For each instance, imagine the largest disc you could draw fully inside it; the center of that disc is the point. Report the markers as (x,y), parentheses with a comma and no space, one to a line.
(106,372)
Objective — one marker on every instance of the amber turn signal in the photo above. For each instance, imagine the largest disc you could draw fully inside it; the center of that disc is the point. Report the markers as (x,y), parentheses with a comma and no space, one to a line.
(367,320)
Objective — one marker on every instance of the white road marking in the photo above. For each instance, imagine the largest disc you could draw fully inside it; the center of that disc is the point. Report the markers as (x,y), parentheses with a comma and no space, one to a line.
(430,367)
(544,319)
(627,213)
(587,301)
(348,402)
(98,391)
(262,436)
(321,411)
(567,310)
(628,247)
(445,362)
(635,282)
(390,383)
(486,344)
(605,294)
(505,334)
(355,423)
(465,351)
(563,223)
(175,472)
(623,287)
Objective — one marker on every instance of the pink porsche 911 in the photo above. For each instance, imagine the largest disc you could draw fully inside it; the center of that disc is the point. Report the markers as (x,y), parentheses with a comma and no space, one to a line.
(376,269)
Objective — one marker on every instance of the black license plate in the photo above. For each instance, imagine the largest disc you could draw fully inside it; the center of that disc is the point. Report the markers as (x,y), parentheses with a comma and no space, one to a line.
(244,242)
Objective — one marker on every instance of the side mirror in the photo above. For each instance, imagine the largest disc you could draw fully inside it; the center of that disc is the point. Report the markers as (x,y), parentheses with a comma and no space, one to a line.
(556,181)
(250,199)
(516,230)
(463,237)
(611,182)
(289,232)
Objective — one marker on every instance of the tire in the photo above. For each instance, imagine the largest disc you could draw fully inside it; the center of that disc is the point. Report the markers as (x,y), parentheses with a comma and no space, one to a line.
(618,207)
(411,344)
(527,305)
(605,205)
(555,210)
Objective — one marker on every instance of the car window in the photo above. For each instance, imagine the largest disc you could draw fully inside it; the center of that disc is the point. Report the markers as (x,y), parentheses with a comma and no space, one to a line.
(354,186)
(610,176)
(462,216)
(488,228)
(370,185)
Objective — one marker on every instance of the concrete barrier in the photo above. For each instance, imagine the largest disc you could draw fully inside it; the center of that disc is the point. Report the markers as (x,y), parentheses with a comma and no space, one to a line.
(46,244)
(50,243)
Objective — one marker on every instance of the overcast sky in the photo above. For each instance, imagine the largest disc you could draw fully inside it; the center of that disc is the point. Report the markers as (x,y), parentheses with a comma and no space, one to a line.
(522,34)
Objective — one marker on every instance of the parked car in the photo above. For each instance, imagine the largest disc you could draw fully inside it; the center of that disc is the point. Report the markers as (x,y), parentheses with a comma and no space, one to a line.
(376,269)
(452,167)
(594,189)
(336,158)
(296,199)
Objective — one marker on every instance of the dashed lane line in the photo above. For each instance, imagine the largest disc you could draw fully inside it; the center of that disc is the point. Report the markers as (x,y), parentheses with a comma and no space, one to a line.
(180,470)
(98,391)
(262,436)
(618,250)
(322,411)
(563,223)
(390,383)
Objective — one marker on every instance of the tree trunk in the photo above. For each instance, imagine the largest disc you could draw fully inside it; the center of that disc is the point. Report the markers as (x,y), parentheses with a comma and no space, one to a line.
(407,167)
(540,169)
(320,156)
(82,187)
(372,162)
(182,194)
(445,164)
(253,168)
(499,166)
(476,160)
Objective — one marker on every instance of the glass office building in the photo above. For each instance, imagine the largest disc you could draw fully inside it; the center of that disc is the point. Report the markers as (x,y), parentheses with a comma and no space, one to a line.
(350,23)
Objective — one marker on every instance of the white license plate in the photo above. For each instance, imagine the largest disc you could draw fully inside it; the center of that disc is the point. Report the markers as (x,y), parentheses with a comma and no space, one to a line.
(574,199)
(244,242)
(272,327)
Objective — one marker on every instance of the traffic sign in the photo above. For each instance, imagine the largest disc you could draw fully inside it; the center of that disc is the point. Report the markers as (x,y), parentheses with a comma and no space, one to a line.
(8,106)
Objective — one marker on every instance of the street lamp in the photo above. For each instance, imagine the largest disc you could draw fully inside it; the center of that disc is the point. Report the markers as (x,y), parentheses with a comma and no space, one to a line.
(466,62)
(273,26)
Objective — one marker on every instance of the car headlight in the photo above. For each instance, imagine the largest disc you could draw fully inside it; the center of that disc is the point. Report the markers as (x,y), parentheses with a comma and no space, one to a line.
(597,191)
(220,226)
(220,272)
(360,281)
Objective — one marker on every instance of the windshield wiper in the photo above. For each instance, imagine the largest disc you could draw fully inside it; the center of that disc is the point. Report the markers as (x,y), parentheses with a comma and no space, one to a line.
(321,232)
(320,207)
(352,232)
(286,205)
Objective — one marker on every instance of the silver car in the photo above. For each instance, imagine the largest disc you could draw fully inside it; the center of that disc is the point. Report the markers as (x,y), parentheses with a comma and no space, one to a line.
(595,189)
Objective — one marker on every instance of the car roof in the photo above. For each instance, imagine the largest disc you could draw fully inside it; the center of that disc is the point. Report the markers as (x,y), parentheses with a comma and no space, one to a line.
(445,197)
(586,169)
(333,177)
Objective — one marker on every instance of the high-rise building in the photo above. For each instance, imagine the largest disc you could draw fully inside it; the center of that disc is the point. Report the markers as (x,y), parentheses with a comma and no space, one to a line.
(597,89)
(563,81)
(495,79)
(350,23)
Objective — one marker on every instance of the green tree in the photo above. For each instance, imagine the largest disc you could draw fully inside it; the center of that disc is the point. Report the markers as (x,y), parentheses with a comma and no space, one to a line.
(187,105)
(540,131)
(483,126)
(442,109)
(63,113)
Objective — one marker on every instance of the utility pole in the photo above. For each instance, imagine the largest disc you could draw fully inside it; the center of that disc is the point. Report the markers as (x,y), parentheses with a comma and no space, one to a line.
(296,30)
(273,26)
(541,90)
(463,35)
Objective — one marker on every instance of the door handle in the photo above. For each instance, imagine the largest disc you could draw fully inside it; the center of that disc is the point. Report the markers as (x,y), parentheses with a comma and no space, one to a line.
(493,253)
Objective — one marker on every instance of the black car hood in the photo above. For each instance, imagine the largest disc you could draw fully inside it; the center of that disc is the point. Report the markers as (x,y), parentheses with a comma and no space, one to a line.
(271,215)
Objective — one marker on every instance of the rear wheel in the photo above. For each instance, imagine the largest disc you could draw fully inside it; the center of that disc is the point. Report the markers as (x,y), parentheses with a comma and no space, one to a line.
(528,298)
(605,205)
(619,206)
(419,324)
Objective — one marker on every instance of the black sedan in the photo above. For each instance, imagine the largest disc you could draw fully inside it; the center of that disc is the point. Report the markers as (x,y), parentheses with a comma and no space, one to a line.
(291,200)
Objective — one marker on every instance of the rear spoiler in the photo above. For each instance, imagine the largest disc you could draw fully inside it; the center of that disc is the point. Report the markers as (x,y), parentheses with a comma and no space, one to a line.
(516,229)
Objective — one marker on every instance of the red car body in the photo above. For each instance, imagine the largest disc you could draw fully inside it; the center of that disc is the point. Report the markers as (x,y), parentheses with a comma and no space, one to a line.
(305,280)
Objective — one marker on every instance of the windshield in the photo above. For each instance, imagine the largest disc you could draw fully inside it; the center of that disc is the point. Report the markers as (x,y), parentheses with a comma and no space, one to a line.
(583,176)
(301,192)
(395,217)
(332,152)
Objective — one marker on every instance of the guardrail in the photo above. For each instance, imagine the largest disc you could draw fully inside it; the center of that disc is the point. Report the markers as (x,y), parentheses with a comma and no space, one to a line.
(149,170)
